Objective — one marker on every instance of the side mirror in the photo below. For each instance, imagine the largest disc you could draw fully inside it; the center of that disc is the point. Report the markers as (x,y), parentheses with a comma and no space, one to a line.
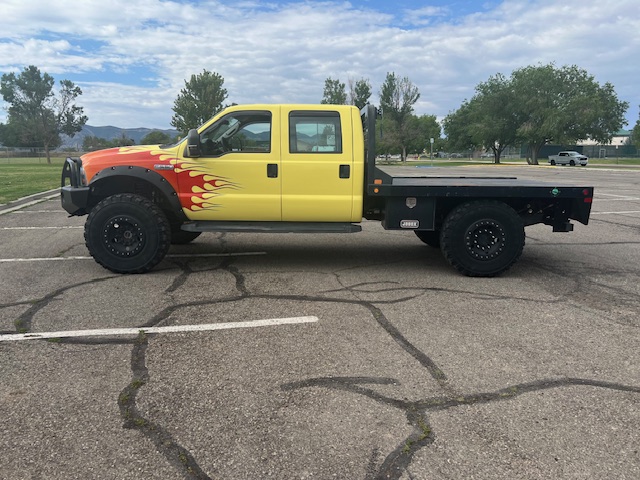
(193,144)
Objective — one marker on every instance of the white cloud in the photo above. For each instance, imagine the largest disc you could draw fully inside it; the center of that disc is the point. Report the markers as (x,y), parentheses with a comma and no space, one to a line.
(424,16)
(127,106)
(283,52)
(51,56)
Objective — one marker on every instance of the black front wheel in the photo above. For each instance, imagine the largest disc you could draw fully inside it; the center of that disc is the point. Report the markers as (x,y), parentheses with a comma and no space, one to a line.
(127,233)
(482,238)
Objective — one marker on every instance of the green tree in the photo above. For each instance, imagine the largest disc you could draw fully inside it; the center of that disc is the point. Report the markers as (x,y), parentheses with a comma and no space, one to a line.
(563,105)
(359,92)
(13,134)
(397,98)
(413,137)
(91,143)
(156,137)
(387,137)
(487,121)
(635,134)
(537,105)
(422,130)
(201,98)
(456,128)
(334,92)
(123,140)
(36,115)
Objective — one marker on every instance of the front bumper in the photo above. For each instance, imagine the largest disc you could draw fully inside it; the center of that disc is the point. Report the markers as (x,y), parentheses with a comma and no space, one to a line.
(74,199)
(74,195)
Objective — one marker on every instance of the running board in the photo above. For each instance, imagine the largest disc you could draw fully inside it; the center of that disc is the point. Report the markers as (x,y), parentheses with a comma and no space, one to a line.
(272,227)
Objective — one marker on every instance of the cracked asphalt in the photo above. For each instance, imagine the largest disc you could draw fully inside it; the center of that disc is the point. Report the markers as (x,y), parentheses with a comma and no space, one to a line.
(411,371)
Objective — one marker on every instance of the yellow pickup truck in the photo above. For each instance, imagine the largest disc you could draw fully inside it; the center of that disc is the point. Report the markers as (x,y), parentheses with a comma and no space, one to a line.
(298,168)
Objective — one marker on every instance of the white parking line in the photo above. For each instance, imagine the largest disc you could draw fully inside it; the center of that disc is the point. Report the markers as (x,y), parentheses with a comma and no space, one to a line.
(171,329)
(614,213)
(52,259)
(37,211)
(175,255)
(39,228)
(623,197)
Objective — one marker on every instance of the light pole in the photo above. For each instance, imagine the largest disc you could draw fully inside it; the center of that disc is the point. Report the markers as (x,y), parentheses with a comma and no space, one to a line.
(431,151)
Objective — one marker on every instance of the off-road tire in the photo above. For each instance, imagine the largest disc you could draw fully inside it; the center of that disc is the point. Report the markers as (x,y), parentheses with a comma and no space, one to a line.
(127,233)
(430,237)
(482,238)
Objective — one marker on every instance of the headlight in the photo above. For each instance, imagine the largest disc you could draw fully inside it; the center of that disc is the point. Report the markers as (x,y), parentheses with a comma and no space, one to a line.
(83,177)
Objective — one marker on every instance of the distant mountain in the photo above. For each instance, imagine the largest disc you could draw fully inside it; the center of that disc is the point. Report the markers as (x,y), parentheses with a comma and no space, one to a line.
(110,133)
(258,137)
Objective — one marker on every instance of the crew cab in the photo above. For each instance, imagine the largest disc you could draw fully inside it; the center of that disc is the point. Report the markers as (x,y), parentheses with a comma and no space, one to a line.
(298,168)
(569,158)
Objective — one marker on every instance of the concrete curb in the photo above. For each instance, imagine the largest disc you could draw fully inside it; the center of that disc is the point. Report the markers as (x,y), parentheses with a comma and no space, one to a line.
(28,201)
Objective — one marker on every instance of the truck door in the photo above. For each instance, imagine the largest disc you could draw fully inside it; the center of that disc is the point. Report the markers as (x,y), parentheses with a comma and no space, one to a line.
(237,177)
(317,166)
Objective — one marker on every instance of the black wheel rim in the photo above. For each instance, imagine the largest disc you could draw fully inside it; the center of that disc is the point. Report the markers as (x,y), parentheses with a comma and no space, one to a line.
(485,240)
(123,236)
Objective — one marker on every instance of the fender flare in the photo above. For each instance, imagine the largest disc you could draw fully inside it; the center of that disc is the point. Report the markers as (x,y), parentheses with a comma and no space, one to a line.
(100,186)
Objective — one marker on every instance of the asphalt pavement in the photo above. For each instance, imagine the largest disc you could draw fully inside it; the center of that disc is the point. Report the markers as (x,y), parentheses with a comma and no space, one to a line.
(348,356)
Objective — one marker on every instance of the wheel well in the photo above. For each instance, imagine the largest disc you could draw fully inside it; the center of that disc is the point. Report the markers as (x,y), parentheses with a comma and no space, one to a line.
(445,206)
(115,184)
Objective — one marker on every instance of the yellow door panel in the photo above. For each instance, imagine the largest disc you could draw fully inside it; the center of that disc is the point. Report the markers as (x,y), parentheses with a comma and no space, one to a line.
(237,178)
(317,165)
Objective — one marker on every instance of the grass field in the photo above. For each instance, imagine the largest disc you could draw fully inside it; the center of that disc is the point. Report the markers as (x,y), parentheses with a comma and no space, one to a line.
(20,177)
(25,176)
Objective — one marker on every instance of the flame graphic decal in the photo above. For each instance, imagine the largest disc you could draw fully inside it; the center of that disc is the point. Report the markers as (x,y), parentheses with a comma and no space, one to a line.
(205,186)
(153,152)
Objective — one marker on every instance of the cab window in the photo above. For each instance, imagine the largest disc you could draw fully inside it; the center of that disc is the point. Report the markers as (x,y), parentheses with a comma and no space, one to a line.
(315,132)
(238,132)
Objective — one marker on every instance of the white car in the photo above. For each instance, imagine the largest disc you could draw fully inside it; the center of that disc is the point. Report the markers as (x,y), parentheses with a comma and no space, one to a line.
(568,158)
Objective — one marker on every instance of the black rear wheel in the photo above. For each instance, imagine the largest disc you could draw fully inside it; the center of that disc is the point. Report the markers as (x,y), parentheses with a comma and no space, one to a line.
(127,233)
(482,238)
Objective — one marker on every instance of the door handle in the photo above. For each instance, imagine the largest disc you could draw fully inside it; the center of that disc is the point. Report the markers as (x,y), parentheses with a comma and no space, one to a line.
(345,171)
(272,170)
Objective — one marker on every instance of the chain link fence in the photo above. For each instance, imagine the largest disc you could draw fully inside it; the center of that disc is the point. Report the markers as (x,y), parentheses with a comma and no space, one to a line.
(17,152)
(610,151)
(35,154)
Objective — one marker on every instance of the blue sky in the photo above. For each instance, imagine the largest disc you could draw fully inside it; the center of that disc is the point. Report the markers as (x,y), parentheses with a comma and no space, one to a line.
(131,58)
